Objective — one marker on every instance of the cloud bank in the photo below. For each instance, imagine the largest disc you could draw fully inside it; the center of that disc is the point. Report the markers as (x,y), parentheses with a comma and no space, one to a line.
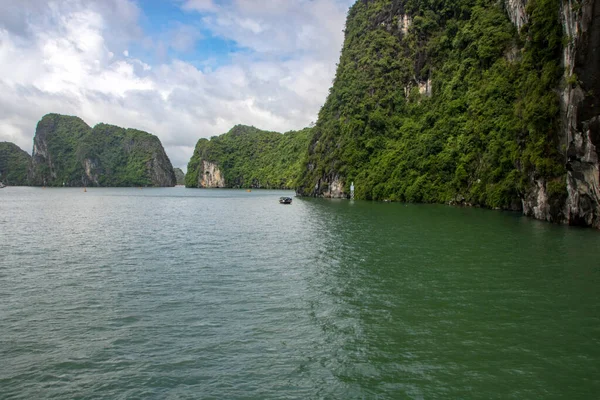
(93,59)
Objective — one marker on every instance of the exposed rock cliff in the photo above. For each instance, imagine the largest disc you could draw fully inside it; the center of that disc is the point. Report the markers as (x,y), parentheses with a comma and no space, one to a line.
(67,152)
(580,101)
(516,12)
(179,176)
(14,163)
(207,176)
(334,188)
(210,176)
(579,134)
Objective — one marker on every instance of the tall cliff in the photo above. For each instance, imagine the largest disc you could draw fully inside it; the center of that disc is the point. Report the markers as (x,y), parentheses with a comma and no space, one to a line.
(14,163)
(474,102)
(67,152)
(580,107)
(55,157)
(248,157)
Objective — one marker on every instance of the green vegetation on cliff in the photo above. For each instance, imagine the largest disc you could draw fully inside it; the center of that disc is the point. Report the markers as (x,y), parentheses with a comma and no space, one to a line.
(68,152)
(442,101)
(250,157)
(14,163)
(55,147)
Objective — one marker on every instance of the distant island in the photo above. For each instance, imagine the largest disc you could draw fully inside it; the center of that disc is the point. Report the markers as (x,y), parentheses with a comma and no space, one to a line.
(14,164)
(179,176)
(247,157)
(68,152)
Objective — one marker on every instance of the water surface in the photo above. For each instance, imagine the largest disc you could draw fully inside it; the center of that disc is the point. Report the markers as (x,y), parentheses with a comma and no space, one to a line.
(179,293)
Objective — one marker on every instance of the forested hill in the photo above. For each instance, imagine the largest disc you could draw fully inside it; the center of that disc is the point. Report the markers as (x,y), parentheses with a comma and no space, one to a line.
(248,157)
(14,163)
(451,101)
(67,152)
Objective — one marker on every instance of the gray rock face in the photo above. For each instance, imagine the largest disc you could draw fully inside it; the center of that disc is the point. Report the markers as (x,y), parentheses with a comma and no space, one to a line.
(91,176)
(330,187)
(160,169)
(580,103)
(535,203)
(516,12)
(583,203)
(179,176)
(580,115)
(210,176)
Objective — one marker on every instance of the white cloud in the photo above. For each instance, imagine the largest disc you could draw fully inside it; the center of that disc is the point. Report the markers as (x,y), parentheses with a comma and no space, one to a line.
(65,56)
(200,5)
(183,37)
(281,26)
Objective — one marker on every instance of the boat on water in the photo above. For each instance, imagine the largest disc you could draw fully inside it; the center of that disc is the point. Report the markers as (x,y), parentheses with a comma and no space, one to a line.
(285,200)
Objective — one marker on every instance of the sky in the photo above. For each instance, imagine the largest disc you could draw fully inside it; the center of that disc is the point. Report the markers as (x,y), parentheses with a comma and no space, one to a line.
(180,69)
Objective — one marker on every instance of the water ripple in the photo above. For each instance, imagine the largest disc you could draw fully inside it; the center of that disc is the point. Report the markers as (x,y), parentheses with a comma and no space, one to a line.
(173,293)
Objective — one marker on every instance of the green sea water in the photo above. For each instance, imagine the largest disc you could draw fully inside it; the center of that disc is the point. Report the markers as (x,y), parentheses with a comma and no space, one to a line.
(223,294)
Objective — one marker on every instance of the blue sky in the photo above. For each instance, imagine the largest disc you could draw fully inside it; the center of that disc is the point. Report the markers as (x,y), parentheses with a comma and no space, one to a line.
(181,69)
(161,19)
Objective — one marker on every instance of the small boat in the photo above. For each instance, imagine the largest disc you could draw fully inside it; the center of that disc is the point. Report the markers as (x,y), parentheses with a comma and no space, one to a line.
(2,185)
(285,200)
